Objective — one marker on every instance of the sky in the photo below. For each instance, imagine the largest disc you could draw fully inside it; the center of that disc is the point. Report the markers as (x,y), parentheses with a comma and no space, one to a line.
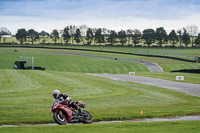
(116,15)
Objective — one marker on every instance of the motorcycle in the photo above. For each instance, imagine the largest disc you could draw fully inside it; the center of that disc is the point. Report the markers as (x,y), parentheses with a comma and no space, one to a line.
(64,113)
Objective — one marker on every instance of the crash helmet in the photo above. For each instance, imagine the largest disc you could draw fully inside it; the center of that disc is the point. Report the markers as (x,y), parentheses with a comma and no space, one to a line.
(56,93)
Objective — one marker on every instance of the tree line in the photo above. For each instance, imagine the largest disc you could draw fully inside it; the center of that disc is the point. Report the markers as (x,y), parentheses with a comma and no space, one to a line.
(101,36)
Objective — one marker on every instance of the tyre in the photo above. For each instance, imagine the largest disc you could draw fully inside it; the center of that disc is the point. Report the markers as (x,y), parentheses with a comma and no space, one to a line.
(60,119)
(87,117)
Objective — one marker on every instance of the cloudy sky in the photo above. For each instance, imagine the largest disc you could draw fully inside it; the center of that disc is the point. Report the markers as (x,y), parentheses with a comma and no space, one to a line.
(112,14)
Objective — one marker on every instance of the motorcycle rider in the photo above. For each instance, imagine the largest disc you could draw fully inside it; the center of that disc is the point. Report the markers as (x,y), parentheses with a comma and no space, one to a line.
(64,98)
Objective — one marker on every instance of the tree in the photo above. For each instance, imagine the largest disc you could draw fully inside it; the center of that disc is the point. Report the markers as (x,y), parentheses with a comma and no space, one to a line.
(72,30)
(3,33)
(33,35)
(55,35)
(136,36)
(61,35)
(197,41)
(21,35)
(77,36)
(89,36)
(129,34)
(180,32)
(43,35)
(99,37)
(173,37)
(122,37)
(149,36)
(192,31)
(160,35)
(112,37)
(186,37)
(66,35)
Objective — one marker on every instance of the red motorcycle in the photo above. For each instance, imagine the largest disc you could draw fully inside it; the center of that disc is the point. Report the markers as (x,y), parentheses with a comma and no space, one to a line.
(64,113)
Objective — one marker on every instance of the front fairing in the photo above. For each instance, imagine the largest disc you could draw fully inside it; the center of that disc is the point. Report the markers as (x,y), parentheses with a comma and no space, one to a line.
(54,105)
(64,108)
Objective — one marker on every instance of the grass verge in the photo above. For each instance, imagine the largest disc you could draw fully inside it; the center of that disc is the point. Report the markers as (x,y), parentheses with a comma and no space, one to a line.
(140,127)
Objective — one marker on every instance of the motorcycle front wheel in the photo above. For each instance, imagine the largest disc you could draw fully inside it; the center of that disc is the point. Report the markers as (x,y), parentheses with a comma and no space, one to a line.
(59,119)
(87,117)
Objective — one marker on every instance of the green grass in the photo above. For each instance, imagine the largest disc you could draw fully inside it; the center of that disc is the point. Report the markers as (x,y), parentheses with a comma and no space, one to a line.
(172,52)
(185,53)
(25,97)
(154,127)
(59,61)
(167,64)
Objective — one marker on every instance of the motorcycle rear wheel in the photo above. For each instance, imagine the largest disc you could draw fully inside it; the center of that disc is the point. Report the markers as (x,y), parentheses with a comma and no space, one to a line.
(87,117)
(60,119)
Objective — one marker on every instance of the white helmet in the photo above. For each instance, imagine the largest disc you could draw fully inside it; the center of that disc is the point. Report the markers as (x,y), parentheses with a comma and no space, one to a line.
(56,93)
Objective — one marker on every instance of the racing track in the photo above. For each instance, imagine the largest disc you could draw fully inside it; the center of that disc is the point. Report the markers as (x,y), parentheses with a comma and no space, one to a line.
(188,88)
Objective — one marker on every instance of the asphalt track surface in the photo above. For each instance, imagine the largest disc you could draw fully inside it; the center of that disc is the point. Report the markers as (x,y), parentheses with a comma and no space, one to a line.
(188,88)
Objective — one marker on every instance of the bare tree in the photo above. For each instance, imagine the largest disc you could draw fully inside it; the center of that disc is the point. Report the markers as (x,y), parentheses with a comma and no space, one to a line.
(193,32)
(61,34)
(4,33)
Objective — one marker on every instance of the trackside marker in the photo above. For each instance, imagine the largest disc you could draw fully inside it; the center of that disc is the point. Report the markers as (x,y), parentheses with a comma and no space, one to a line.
(179,77)
(141,112)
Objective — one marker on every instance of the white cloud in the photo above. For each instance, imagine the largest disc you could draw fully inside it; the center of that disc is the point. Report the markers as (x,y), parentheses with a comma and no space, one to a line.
(112,14)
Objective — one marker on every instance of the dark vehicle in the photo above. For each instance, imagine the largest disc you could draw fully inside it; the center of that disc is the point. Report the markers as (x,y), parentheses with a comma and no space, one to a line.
(64,113)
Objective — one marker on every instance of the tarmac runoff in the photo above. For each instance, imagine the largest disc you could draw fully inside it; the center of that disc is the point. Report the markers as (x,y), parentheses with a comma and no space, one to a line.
(178,118)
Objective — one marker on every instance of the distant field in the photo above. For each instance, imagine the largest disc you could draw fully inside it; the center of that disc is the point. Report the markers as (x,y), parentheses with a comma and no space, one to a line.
(60,60)
(185,53)
(153,127)
(172,52)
